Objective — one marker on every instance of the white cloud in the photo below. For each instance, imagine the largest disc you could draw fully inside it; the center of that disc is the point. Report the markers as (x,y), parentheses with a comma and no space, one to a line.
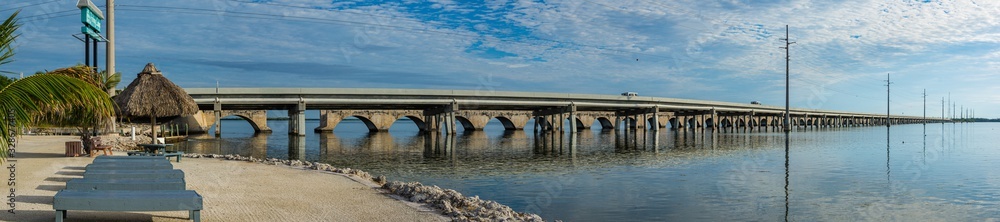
(707,50)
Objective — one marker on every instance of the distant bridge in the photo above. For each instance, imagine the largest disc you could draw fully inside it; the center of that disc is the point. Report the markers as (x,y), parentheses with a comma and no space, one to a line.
(436,110)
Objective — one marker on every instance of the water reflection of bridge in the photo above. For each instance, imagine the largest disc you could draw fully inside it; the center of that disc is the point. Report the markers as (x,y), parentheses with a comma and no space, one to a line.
(513,144)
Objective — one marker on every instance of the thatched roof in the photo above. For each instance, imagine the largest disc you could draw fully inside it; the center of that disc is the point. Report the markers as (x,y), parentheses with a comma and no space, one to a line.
(152,95)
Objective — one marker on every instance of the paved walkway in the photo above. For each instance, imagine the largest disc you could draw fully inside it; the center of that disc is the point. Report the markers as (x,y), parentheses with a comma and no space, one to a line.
(232,191)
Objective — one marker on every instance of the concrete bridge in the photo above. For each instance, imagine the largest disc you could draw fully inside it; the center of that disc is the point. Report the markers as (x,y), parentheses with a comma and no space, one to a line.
(437,110)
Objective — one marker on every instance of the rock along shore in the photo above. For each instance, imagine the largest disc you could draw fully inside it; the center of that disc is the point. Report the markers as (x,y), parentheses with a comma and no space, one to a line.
(451,203)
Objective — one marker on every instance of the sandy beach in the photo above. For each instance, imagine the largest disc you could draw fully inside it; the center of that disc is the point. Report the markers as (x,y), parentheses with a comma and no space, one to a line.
(232,191)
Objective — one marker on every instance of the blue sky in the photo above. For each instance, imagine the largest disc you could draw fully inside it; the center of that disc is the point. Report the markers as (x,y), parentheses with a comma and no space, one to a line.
(711,50)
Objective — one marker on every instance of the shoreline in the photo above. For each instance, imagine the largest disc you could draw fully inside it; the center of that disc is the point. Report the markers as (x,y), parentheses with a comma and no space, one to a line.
(239,188)
(447,202)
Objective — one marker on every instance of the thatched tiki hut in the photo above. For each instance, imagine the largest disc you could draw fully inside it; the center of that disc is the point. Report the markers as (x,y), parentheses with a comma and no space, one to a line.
(151,96)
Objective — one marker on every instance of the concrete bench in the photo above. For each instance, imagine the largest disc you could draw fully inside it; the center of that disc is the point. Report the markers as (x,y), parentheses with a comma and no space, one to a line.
(130,166)
(176,154)
(168,154)
(127,157)
(160,200)
(154,160)
(88,184)
(133,174)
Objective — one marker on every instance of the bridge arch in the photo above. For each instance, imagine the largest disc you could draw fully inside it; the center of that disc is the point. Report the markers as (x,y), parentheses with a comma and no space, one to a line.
(631,122)
(674,123)
(416,121)
(652,123)
(605,123)
(368,122)
(506,122)
(725,123)
(204,121)
(254,124)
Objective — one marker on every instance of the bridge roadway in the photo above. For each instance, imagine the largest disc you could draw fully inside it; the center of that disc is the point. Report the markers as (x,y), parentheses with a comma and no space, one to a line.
(434,110)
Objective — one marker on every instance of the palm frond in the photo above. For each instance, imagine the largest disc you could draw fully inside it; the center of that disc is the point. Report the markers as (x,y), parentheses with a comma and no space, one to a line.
(110,82)
(8,33)
(34,94)
(82,72)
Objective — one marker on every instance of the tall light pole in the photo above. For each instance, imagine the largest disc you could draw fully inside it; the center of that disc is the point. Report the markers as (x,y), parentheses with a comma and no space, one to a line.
(925,106)
(788,59)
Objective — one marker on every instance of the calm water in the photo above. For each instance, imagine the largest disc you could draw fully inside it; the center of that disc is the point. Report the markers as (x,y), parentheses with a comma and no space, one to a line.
(911,172)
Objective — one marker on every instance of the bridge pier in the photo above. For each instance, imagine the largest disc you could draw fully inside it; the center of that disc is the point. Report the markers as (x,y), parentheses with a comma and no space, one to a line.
(297,119)
(218,117)
(450,118)
(656,119)
(296,147)
(573,128)
(714,120)
(553,119)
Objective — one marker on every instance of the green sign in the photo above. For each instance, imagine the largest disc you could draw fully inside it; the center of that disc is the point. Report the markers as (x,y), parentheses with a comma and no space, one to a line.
(90,19)
(90,32)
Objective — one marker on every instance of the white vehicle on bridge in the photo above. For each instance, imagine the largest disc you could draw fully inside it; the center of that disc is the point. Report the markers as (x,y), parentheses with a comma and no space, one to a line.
(756,102)
(630,94)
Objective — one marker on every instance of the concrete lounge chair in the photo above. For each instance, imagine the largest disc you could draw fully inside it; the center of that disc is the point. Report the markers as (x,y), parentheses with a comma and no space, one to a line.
(133,174)
(127,157)
(167,154)
(130,166)
(127,184)
(137,158)
(117,200)
(109,160)
(90,184)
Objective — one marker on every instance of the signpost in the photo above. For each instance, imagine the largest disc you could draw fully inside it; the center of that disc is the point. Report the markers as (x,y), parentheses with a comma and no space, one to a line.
(91,21)
(91,17)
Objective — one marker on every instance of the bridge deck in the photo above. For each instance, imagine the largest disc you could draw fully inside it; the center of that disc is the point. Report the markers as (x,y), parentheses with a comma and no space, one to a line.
(424,99)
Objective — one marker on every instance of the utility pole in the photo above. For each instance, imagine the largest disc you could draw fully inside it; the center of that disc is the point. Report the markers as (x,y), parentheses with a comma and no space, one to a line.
(925,106)
(110,44)
(887,83)
(788,60)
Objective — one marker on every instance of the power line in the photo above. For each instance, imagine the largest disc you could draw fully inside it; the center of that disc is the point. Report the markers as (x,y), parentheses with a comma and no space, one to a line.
(50,15)
(21,7)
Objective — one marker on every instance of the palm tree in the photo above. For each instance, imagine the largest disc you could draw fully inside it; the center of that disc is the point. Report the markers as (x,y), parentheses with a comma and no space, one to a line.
(23,99)
(7,36)
(85,124)
(102,80)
